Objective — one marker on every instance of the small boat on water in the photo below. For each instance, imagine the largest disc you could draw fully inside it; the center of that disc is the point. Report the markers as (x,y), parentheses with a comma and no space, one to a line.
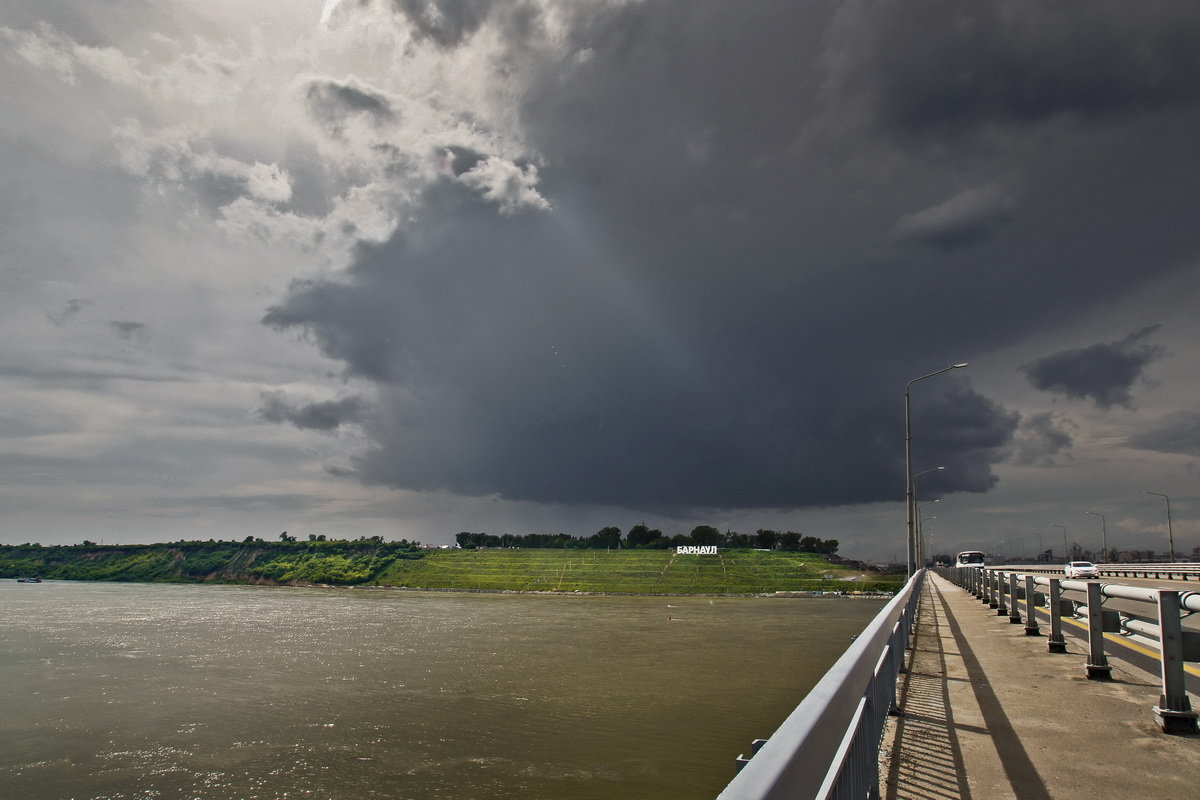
(29,580)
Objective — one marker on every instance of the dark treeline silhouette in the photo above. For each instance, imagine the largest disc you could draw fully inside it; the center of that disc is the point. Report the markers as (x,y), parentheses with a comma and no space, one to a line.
(643,538)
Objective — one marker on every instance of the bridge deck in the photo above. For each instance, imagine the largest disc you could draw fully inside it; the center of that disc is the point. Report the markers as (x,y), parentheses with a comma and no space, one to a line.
(989,713)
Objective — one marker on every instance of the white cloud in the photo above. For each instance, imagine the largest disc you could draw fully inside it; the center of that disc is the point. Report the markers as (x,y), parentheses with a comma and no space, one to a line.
(43,48)
(509,186)
(170,155)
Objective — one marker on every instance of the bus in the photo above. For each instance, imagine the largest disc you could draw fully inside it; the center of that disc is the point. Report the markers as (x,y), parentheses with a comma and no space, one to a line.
(969,558)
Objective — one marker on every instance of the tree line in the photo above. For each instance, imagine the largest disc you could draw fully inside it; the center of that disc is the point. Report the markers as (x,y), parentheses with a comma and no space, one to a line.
(641,537)
(318,560)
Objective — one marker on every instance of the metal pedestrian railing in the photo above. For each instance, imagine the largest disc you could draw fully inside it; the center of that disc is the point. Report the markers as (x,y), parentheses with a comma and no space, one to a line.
(828,747)
(1160,629)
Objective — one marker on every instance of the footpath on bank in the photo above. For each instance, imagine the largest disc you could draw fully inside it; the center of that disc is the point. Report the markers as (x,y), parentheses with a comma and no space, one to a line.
(988,713)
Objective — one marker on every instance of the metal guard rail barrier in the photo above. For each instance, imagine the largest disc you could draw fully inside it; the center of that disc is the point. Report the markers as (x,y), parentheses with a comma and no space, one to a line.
(828,747)
(1136,570)
(1004,590)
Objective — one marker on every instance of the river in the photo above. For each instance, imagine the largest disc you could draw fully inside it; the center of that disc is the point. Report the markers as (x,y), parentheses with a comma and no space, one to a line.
(138,691)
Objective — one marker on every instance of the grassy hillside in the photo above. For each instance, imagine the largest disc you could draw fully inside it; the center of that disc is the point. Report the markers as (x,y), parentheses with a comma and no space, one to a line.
(637,571)
(255,561)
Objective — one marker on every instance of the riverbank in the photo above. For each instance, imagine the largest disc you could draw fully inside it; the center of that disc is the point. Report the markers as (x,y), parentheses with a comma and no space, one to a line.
(402,565)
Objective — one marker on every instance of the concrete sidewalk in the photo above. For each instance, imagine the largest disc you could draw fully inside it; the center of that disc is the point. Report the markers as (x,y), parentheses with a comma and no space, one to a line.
(989,713)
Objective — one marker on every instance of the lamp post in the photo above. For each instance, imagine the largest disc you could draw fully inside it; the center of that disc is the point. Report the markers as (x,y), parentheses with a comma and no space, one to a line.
(921,555)
(1170,532)
(908,479)
(1103,536)
(1066,547)
(920,538)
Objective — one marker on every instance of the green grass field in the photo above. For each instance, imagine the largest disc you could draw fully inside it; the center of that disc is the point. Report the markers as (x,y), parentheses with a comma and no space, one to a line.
(634,571)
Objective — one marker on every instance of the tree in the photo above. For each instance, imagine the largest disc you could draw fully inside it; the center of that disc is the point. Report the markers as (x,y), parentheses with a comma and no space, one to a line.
(767,539)
(640,536)
(706,535)
(608,538)
(789,541)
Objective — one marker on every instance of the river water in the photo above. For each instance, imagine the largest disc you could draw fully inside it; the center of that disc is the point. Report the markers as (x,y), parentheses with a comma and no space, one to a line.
(115,691)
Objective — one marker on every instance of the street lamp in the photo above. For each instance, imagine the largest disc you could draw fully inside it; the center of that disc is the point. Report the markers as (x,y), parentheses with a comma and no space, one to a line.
(1170,532)
(920,538)
(921,556)
(1103,536)
(1066,548)
(908,479)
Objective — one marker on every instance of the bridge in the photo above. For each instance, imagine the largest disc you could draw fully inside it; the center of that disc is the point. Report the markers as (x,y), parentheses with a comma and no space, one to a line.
(1092,694)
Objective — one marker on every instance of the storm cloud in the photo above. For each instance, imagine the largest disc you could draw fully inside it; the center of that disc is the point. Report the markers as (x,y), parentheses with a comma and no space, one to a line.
(128,330)
(962,220)
(321,416)
(332,103)
(1175,433)
(1025,63)
(557,261)
(711,307)
(69,311)
(1039,438)
(1104,373)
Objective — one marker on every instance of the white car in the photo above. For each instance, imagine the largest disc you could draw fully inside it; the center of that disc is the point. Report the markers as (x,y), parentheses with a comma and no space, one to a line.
(1081,569)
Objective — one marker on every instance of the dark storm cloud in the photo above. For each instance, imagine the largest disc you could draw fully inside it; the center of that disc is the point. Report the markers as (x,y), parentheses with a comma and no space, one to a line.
(323,416)
(340,472)
(460,160)
(960,221)
(540,379)
(446,22)
(966,433)
(1104,373)
(332,103)
(715,312)
(1026,62)
(1175,433)
(1039,438)
(69,310)
(129,331)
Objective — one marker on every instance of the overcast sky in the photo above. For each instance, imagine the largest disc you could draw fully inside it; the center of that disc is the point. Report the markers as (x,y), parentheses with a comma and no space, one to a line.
(411,267)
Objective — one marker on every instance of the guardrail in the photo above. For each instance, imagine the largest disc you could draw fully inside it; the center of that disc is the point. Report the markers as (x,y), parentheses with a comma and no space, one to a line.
(828,747)
(1007,591)
(1181,572)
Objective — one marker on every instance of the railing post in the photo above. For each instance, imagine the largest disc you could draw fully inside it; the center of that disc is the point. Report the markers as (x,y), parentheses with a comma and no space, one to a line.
(1056,643)
(1031,624)
(1002,606)
(1097,666)
(990,585)
(896,648)
(1174,710)
(1014,611)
